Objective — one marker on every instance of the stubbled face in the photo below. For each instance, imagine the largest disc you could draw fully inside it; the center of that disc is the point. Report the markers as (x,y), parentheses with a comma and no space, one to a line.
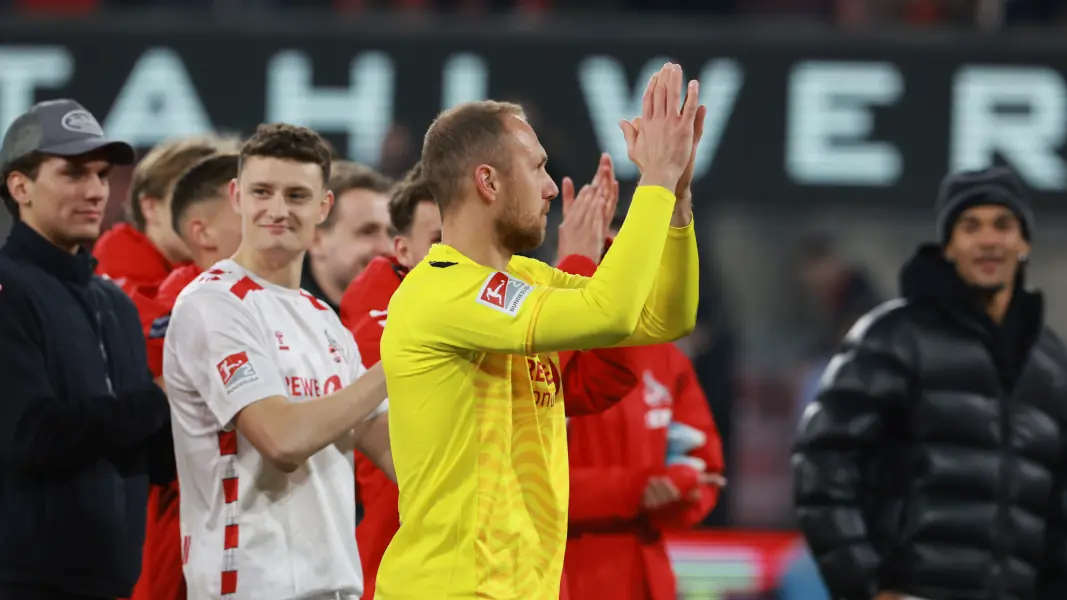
(359,234)
(66,201)
(986,245)
(413,246)
(281,202)
(525,190)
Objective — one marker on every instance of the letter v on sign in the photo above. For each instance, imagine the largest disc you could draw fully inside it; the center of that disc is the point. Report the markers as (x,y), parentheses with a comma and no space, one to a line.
(609,98)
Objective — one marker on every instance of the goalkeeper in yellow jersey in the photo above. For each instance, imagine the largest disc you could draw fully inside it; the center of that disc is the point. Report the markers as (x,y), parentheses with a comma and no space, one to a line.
(476,414)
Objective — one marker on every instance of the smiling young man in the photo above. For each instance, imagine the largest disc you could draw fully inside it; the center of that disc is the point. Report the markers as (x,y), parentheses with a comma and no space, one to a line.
(269,397)
(933,462)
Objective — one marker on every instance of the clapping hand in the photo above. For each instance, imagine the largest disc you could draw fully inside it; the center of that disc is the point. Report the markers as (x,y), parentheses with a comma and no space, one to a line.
(661,142)
(587,216)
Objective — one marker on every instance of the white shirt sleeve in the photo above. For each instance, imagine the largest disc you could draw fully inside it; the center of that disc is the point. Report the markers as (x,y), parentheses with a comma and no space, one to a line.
(223,353)
(357,370)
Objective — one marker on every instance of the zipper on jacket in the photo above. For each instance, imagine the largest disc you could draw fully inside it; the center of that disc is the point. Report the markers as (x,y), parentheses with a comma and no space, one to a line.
(103,352)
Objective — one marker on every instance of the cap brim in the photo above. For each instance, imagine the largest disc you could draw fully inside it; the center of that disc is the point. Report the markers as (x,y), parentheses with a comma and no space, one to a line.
(119,153)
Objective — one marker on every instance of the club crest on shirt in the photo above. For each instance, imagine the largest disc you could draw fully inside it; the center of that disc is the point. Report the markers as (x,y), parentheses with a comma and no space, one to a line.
(236,371)
(504,293)
(335,349)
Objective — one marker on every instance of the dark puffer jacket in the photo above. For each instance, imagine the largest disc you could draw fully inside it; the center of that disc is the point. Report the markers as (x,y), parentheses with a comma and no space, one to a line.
(933,461)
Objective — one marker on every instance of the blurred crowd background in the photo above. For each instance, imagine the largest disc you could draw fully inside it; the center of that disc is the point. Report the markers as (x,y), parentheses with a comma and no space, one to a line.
(816,180)
(983,13)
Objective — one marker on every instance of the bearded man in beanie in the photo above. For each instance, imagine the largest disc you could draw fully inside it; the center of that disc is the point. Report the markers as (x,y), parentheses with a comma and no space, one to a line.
(933,463)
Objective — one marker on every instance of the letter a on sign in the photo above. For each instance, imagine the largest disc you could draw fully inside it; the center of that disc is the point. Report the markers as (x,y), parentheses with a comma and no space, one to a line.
(504,293)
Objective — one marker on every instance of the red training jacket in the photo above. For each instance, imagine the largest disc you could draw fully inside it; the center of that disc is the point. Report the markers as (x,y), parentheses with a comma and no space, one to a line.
(615,549)
(161,562)
(128,257)
(593,381)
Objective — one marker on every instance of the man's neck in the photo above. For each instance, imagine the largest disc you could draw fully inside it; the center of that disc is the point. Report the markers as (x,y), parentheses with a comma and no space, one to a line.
(997,303)
(475,239)
(207,259)
(66,246)
(279,270)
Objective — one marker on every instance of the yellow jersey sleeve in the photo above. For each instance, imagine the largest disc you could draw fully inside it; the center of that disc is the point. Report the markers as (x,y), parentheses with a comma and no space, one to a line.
(670,311)
(471,307)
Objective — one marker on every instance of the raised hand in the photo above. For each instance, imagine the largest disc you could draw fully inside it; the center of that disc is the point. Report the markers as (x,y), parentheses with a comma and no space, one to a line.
(583,229)
(605,181)
(663,147)
(686,181)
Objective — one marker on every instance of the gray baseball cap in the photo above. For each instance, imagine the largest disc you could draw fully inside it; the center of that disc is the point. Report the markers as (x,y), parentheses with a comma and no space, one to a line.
(60,128)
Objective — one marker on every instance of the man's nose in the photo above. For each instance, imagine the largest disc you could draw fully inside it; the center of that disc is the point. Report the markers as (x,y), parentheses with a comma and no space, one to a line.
(98,189)
(552,191)
(276,207)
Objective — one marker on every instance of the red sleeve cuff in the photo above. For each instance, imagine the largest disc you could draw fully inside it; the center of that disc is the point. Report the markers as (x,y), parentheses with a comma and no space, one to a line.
(576,264)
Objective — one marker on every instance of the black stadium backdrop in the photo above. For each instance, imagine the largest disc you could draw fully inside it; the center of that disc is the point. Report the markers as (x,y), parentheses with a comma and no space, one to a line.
(795,116)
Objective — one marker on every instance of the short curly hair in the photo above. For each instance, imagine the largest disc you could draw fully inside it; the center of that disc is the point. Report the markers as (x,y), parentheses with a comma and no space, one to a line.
(288,142)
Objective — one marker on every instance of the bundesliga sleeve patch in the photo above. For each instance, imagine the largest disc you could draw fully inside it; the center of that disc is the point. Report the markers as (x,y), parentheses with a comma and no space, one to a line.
(504,293)
(236,371)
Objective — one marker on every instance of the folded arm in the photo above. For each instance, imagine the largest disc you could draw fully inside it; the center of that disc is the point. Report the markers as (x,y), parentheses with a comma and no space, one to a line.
(40,431)
(606,494)
(691,410)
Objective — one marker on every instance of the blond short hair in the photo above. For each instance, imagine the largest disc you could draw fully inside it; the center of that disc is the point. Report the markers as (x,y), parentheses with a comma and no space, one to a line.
(156,173)
(460,138)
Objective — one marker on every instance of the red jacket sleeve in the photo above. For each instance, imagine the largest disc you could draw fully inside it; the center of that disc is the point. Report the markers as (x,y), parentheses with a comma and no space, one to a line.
(155,316)
(691,407)
(595,380)
(603,494)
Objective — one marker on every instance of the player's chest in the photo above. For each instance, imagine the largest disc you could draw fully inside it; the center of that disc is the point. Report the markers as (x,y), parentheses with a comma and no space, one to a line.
(535,380)
(309,352)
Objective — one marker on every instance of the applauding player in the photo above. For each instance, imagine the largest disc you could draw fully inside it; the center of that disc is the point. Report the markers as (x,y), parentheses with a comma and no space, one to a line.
(269,397)
(471,346)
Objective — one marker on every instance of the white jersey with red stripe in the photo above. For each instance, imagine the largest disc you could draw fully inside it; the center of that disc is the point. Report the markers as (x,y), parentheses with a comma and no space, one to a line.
(249,530)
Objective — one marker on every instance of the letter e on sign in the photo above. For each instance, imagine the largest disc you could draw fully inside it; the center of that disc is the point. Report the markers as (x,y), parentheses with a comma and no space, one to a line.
(504,293)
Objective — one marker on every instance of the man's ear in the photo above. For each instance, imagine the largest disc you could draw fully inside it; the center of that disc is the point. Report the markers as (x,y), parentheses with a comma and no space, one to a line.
(235,196)
(486,182)
(19,187)
(198,233)
(326,207)
(149,208)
